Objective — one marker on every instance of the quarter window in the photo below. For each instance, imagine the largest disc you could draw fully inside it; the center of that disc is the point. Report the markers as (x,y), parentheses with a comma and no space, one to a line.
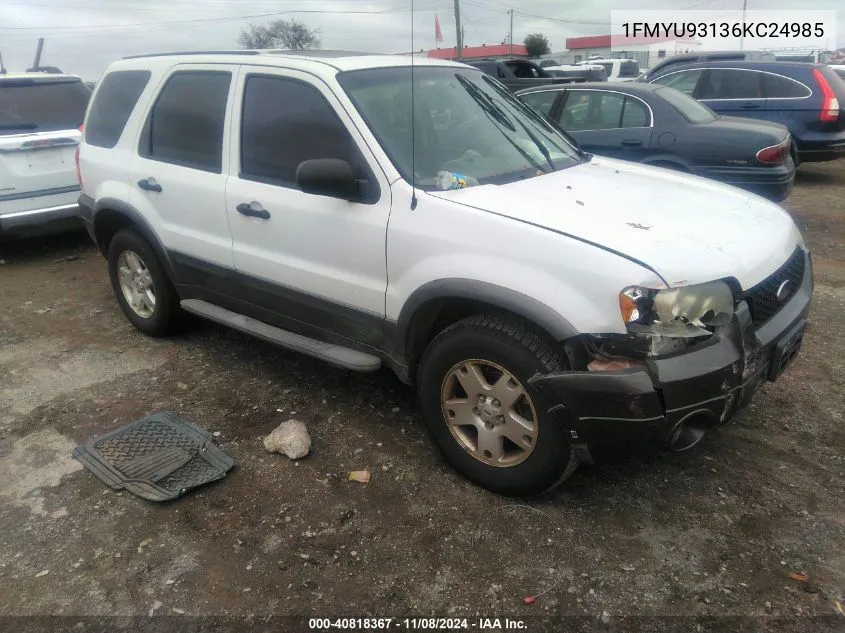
(778,87)
(116,98)
(185,126)
(286,122)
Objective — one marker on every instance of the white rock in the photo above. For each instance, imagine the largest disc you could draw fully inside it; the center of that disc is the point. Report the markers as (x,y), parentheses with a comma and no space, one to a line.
(290,438)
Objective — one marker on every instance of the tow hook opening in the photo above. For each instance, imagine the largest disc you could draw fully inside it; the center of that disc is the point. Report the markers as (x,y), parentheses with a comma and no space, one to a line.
(691,429)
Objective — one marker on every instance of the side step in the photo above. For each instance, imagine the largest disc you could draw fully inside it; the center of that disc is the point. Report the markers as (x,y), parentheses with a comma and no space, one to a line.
(334,354)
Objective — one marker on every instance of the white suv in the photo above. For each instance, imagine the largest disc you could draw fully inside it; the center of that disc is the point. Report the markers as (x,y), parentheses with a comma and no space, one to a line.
(542,301)
(40,115)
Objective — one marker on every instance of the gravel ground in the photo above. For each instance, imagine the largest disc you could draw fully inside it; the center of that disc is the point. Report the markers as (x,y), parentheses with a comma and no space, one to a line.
(746,532)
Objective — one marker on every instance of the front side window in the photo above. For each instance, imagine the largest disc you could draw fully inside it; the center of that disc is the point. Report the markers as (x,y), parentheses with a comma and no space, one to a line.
(464,123)
(185,126)
(726,83)
(286,122)
(684,81)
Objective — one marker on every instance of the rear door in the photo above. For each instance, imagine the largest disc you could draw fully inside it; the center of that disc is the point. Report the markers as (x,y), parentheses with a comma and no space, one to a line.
(607,123)
(39,133)
(733,92)
(177,177)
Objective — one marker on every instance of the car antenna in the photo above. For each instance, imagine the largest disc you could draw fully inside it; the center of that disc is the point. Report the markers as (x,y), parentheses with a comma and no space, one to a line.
(413,121)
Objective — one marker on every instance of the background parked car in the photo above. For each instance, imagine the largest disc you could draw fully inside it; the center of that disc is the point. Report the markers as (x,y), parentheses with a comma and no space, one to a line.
(839,69)
(519,73)
(584,72)
(616,69)
(807,98)
(661,126)
(40,115)
(671,63)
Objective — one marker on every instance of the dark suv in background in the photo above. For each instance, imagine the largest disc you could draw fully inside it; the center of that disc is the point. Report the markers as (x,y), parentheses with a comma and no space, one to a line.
(807,98)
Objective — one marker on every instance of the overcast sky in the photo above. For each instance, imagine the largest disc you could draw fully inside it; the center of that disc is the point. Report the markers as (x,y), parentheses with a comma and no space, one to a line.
(83,36)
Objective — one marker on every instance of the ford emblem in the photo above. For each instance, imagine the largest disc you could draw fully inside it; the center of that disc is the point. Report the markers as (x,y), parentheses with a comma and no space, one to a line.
(784,289)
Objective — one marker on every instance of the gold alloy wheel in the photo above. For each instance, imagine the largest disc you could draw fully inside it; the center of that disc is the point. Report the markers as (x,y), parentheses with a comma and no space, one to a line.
(489,413)
(136,283)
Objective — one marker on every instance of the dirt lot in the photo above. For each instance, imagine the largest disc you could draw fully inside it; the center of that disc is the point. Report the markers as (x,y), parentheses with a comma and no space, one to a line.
(715,532)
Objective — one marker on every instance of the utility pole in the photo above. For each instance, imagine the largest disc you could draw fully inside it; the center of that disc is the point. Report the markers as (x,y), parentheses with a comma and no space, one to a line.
(459,35)
(510,34)
(742,37)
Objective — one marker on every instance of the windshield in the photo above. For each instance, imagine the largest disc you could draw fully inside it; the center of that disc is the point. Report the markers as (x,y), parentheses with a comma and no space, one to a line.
(469,129)
(27,105)
(629,69)
(690,109)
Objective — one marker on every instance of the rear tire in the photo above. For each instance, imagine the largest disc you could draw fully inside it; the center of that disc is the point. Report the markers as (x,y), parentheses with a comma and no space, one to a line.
(141,286)
(482,413)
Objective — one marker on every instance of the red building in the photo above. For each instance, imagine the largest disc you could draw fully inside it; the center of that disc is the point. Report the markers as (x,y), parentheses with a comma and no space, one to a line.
(481,52)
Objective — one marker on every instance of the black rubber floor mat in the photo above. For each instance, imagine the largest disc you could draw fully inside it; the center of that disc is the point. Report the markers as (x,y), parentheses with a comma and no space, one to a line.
(157,458)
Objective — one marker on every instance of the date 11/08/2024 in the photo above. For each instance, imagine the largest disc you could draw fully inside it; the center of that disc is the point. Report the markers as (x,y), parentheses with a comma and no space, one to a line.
(419,624)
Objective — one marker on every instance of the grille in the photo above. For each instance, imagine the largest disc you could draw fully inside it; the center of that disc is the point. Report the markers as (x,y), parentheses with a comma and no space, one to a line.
(762,299)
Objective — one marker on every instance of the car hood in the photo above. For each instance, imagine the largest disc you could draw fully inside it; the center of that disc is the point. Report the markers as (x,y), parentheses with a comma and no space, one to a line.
(686,229)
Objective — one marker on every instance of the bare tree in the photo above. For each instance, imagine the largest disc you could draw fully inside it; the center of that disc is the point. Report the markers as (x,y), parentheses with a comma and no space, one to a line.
(288,34)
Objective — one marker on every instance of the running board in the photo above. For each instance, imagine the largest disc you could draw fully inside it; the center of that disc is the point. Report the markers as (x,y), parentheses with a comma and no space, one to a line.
(334,354)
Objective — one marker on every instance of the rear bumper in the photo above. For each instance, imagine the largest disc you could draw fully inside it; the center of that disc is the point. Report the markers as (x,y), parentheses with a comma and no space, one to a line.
(774,183)
(48,219)
(707,384)
(818,152)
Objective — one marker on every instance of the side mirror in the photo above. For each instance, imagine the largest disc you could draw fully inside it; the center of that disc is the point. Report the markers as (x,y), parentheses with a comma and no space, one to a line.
(329,177)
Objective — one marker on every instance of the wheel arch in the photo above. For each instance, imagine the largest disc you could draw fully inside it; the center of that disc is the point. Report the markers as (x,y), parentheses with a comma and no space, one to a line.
(112,215)
(438,304)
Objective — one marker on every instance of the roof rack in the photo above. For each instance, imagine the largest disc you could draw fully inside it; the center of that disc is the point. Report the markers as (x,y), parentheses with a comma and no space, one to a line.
(237,52)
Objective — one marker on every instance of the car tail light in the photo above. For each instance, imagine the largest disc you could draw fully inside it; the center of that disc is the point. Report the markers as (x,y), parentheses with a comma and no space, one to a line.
(76,159)
(830,108)
(775,154)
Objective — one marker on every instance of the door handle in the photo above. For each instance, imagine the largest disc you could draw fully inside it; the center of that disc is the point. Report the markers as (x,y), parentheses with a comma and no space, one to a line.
(632,143)
(149,184)
(253,210)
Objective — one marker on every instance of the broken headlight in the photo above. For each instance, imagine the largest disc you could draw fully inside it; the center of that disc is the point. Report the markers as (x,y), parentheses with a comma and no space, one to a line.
(685,312)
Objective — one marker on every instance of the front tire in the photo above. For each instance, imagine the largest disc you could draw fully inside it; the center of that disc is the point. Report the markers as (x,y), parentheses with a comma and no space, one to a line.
(141,286)
(482,413)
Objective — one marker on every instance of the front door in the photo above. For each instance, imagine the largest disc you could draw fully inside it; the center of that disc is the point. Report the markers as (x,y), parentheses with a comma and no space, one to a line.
(308,263)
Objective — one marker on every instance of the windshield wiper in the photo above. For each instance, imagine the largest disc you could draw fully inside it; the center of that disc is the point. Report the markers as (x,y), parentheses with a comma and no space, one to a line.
(495,114)
(18,126)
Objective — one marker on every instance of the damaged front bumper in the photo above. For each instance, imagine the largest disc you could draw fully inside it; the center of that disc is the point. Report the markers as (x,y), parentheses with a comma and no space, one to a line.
(674,399)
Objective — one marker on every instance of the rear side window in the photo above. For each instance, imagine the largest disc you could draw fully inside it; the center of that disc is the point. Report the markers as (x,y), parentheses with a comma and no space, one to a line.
(724,83)
(115,100)
(37,105)
(779,87)
(629,69)
(634,113)
(185,126)
(286,122)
